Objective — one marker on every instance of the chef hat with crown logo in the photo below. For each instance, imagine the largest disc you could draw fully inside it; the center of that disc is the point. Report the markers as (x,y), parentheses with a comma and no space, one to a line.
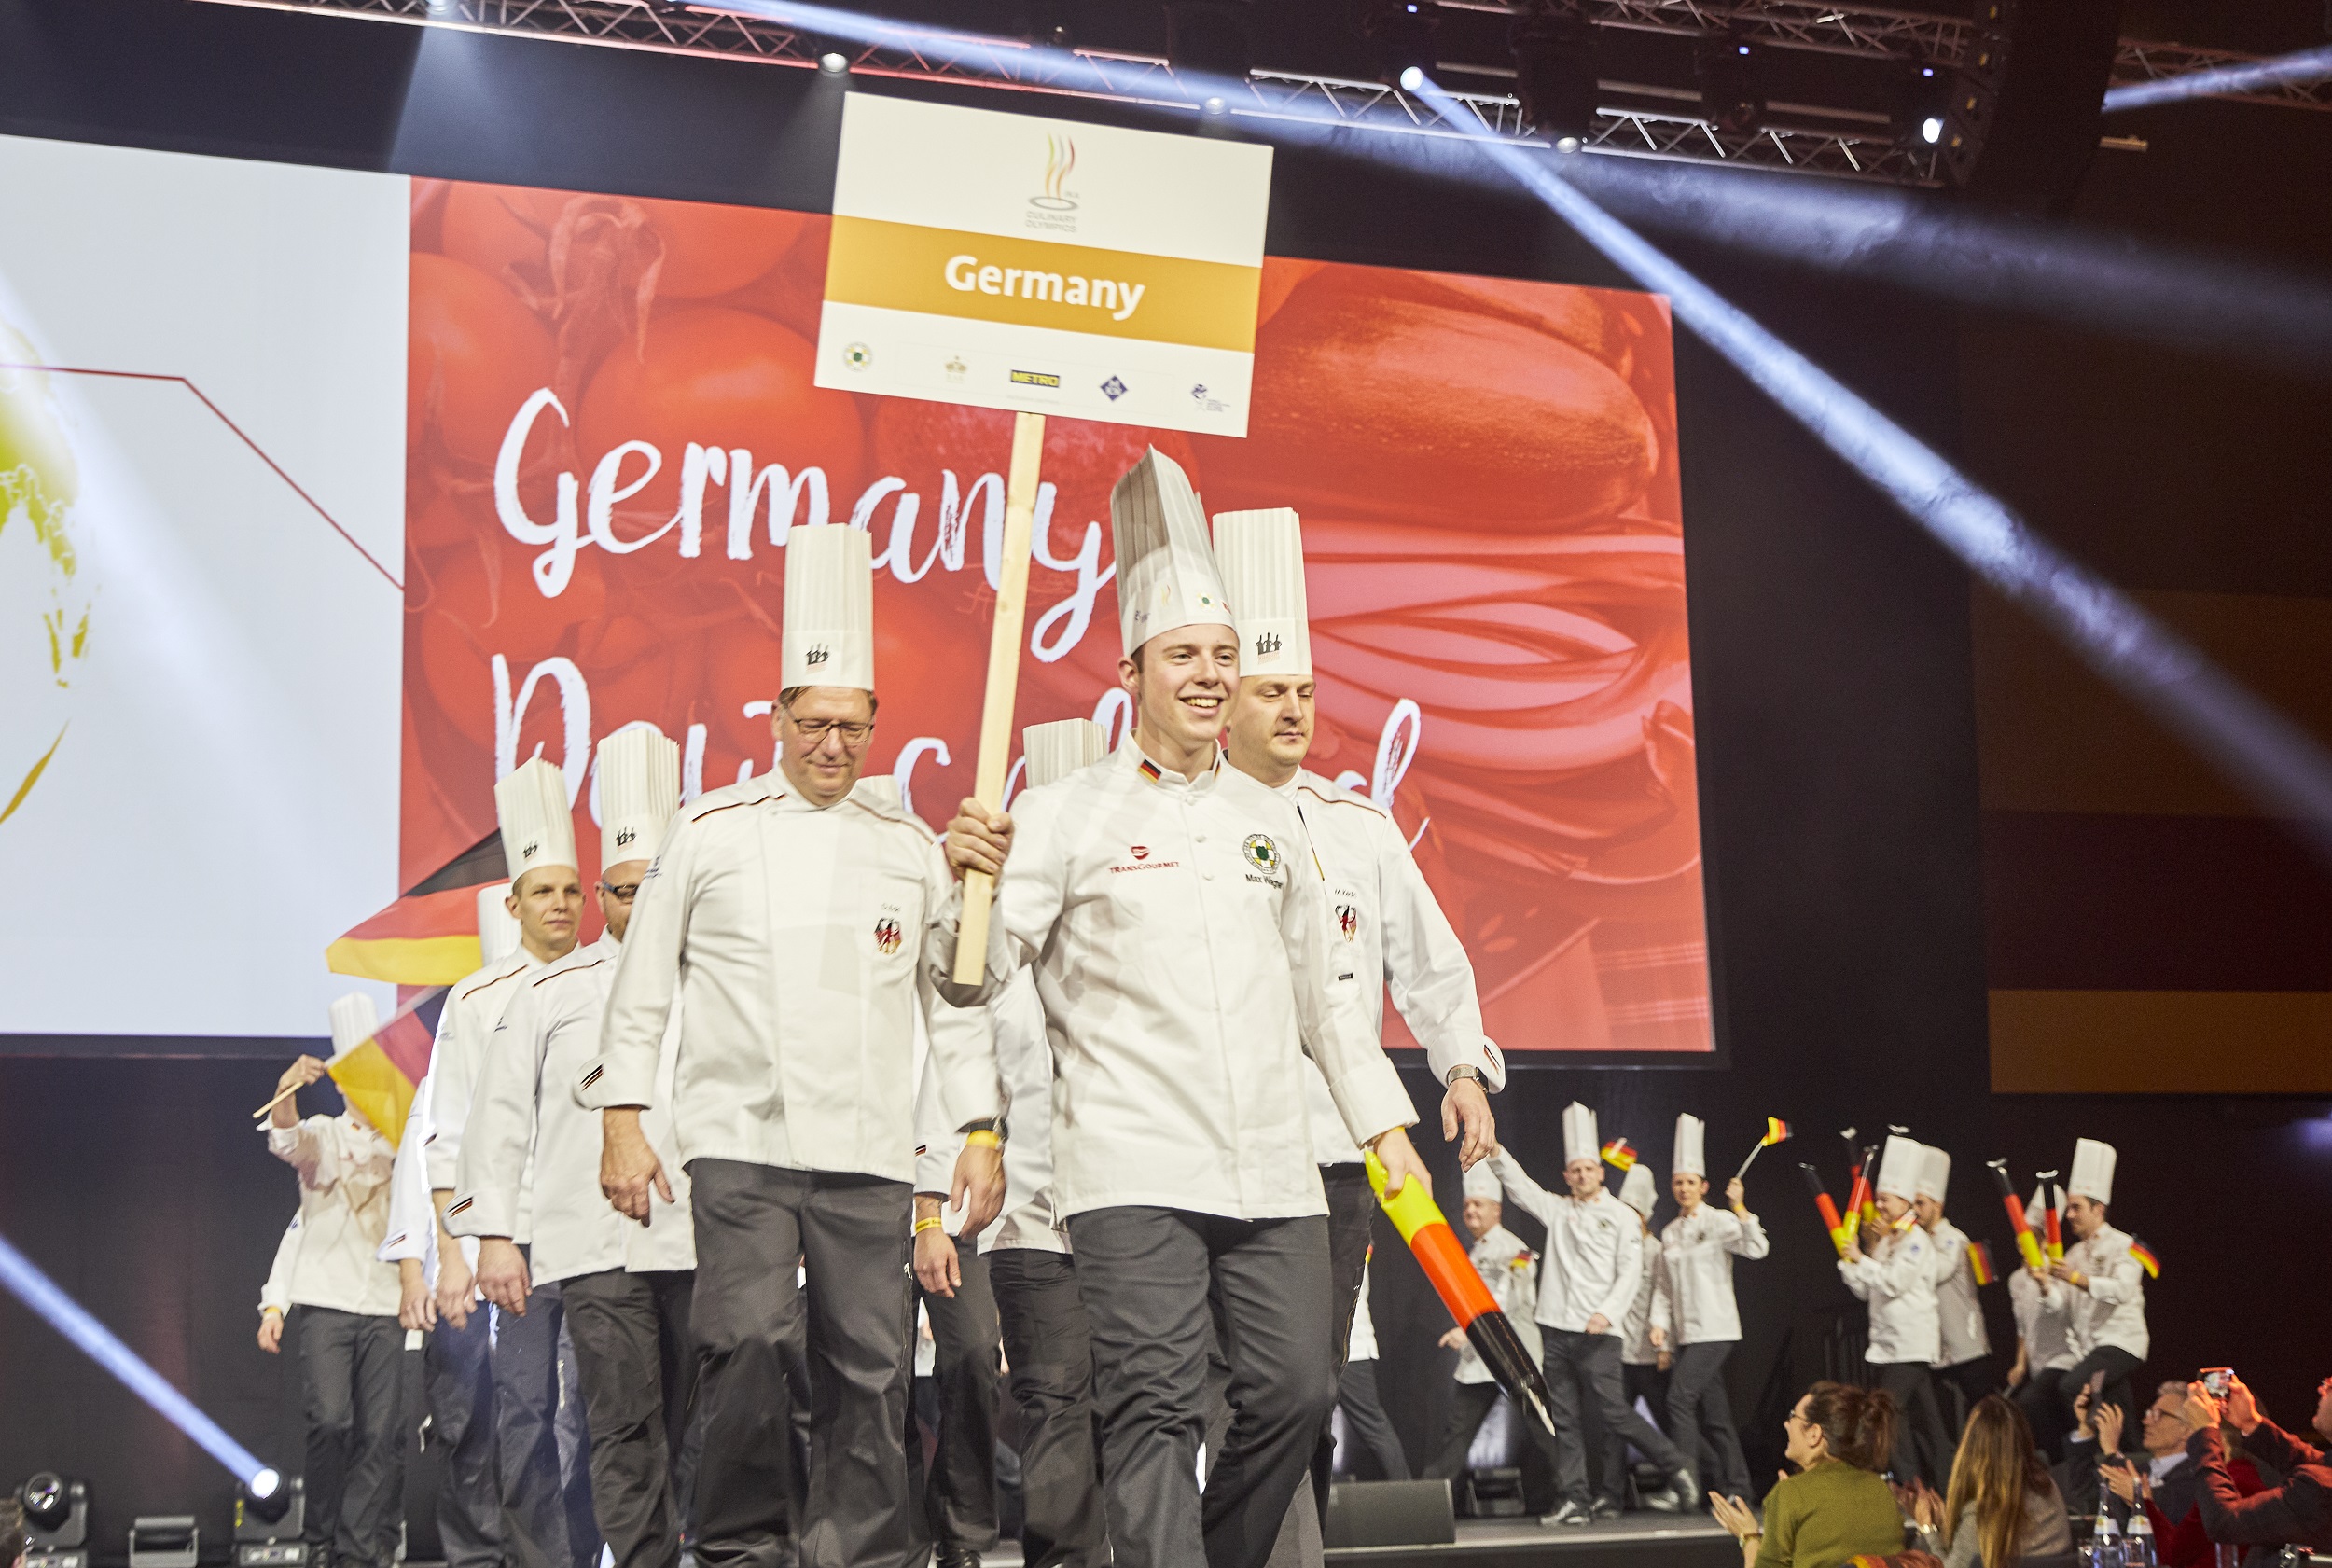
(639,790)
(1482,1182)
(1934,1174)
(531,800)
(497,928)
(1166,577)
(1261,555)
(1640,1191)
(1055,750)
(1904,1162)
(827,638)
(1691,1156)
(2092,1171)
(1578,1134)
(353,1021)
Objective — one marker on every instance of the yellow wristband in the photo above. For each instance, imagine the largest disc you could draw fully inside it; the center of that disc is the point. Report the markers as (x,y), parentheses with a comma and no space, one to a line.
(982,1137)
(934,1223)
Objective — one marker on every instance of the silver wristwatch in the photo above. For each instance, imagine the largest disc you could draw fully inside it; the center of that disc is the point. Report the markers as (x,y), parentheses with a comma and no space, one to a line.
(1461,1070)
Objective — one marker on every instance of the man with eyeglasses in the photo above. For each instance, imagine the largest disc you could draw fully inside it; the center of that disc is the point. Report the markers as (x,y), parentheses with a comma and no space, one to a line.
(530,1168)
(2299,1512)
(799,922)
(2166,1482)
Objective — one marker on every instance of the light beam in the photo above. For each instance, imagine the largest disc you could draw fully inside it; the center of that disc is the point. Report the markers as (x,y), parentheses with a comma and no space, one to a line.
(2285,70)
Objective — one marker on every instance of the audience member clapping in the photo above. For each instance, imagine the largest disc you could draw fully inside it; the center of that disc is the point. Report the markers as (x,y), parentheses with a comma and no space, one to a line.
(1839,1506)
(2002,1508)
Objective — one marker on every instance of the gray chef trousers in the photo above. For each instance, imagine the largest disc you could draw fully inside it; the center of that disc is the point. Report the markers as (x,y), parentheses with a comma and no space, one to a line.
(458,1379)
(352,1366)
(1156,1283)
(1367,1427)
(543,1460)
(1583,1368)
(752,1324)
(1470,1404)
(1922,1448)
(960,1493)
(638,1370)
(1050,1353)
(1638,1380)
(1352,1208)
(1700,1417)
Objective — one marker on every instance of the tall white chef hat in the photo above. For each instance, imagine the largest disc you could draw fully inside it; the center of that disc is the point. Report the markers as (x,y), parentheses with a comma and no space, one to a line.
(1261,555)
(827,638)
(531,800)
(497,928)
(353,1021)
(1691,1157)
(1934,1174)
(1900,1167)
(1578,1134)
(2034,1209)
(2092,1171)
(1640,1191)
(1166,571)
(1482,1182)
(1055,750)
(639,790)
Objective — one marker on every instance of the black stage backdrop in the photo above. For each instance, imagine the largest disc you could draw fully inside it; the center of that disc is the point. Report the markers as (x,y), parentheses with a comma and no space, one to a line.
(1836,722)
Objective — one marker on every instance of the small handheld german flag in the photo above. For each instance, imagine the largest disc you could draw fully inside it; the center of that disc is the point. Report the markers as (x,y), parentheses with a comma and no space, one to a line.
(1620,1154)
(2147,1260)
(1980,1262)
(1776,1132)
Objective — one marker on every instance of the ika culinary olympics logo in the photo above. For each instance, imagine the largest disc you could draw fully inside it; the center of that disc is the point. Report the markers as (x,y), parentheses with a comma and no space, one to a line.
(1060,156)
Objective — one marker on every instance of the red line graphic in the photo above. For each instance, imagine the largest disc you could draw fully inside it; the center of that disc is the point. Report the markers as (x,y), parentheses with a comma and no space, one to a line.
(221,413)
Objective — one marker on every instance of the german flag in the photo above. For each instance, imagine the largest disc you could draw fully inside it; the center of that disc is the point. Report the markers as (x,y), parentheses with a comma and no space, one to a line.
(1980,1262)
(2147,1260)
(380,1074)
(1776,1132)
(426,938)
(1620,1154)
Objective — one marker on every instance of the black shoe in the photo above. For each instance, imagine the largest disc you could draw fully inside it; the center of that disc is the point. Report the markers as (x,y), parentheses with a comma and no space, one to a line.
(956,1557)
(1682,1495)
(1569,1514)
(1604,1508)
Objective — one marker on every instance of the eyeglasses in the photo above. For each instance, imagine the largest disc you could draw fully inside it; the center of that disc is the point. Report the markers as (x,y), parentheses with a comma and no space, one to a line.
(815,731)
(622,893)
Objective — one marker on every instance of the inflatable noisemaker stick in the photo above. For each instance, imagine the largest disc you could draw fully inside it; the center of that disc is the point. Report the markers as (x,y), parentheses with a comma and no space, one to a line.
(1435,1247)
(1858,1194)
(1830,1222)
(2052,1222)
(1003,680)
(2027,1245)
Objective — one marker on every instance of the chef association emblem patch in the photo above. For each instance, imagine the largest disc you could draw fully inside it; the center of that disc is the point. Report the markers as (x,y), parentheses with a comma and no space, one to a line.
(1348,921)
(886,935)
(1261,853)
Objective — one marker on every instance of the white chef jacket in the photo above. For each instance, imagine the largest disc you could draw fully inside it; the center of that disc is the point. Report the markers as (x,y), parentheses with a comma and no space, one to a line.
(413,1230)
(798,943)
(1178,929)
(1024,1057)
(1898,1278)
(1510,1269)
(275,1294)
(2043,1321)
(472,1008)
(529,1128)
(343,1213)
(1960,1316)
(2112,1312)
(1650,1309)
(1697,1251)
(1387,931)
(1361,1344)
(1594,1261)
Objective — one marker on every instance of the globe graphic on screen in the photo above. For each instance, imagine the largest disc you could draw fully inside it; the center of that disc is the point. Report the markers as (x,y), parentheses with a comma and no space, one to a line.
(44,590)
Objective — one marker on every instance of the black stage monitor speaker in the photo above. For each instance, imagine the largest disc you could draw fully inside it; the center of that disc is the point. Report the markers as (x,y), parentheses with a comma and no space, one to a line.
(1389,1513)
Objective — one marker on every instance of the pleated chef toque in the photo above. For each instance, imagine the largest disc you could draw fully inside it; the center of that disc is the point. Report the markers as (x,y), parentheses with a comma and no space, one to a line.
(828,636)
(1482,1182)
(531,800)
(1934,1174)
(639,790)
(1578,1134)
(1691,1157)
(1900,1167)
(1261,555)
(353,1021)
(1166,571)
(1639,1192)
(1055,750)
(2092,1171)
(497,928)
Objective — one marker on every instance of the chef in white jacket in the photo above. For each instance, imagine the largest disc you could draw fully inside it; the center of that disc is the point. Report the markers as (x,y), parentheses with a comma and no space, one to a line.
(2042,1305)
(1645,1340)
(351,1349)
(275,1294)
(1697,1248)
(625,1286)
(1017,1285)
(457,1382)
(1892,1266)
(1510,1269)
(1175,915)
(1388,930)
(2107,1303)
(800,920)
(1590,1274)
(1963,1346)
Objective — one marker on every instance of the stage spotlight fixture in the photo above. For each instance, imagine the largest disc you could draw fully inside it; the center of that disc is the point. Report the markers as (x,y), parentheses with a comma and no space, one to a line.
(1208,38)
(1922,103)
(1554,75)
(56,1521)
(2026,110)
(270,1518)
(833,62)
(1403,34)
(1732,73)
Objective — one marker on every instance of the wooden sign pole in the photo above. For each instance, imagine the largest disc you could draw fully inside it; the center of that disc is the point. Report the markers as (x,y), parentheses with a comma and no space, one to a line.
(1003,680)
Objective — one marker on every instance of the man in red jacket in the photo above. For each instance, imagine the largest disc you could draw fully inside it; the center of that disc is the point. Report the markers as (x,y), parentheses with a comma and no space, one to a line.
(2299,1512)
